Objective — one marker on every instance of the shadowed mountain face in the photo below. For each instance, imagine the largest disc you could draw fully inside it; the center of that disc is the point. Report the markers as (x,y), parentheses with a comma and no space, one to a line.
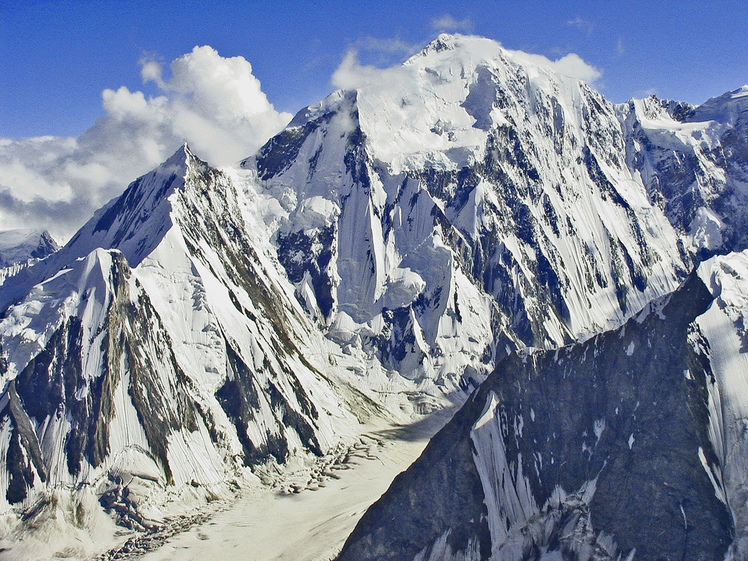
(593,451)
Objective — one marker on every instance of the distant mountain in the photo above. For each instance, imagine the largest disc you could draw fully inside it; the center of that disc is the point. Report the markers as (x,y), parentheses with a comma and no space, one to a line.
(473,211)
(17,246)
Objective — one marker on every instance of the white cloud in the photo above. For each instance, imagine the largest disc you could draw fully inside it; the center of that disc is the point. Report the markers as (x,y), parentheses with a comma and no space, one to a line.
(351,74)
(571,65)
(620,48)
(582,24)
(391,46)
(449,24)
(215,104)
(151,71)
(574,66)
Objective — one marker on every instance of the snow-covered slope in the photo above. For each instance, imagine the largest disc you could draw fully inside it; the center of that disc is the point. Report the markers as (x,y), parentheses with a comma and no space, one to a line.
(162,353)
(20,248)
(470,202)
(627,446)
(694,163)
(724,343)
(381,256)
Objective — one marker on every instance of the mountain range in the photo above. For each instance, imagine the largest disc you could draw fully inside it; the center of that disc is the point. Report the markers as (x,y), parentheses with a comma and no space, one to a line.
(476,229)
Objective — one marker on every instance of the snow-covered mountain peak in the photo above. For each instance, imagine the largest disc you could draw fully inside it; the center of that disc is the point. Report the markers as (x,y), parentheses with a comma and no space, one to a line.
(727,108)
(133,223)
(469,172)
(137,220)
(84,288)
(438,108)
(456,46)
(20,245)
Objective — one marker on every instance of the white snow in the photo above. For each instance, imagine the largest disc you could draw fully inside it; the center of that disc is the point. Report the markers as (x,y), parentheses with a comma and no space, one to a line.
(724,326)
(706,230)
(506,489)
(16,246)
(399,244)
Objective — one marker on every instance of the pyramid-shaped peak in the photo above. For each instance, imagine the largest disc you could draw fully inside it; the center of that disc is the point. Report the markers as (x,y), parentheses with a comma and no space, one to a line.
(138,218)
(181,159)
(134,223)
(26,243)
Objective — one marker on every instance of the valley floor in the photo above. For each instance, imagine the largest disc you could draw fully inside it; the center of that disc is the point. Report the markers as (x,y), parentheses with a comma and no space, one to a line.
(310,524)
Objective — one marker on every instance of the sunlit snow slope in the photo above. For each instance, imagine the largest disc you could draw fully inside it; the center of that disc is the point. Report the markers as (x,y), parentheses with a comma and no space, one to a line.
(163,351)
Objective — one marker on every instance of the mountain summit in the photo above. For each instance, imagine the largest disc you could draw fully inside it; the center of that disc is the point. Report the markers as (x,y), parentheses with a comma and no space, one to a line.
(469,195)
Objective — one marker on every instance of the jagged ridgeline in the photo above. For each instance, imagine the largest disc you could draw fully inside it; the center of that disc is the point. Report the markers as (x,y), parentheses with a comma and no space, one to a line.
(379,256)
(474,202)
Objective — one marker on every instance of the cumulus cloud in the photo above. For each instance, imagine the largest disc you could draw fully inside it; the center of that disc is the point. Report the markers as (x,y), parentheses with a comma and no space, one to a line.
(574,66)
(448,23)
(215,104)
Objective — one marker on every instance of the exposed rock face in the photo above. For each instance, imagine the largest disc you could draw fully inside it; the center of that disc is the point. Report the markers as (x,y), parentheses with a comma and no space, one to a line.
(593,451)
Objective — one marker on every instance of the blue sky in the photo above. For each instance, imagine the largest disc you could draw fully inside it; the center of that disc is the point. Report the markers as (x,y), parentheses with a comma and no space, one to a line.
(57,57)
(94,93)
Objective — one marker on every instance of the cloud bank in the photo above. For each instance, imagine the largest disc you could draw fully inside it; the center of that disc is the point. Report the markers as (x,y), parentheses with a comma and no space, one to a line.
(215,104)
